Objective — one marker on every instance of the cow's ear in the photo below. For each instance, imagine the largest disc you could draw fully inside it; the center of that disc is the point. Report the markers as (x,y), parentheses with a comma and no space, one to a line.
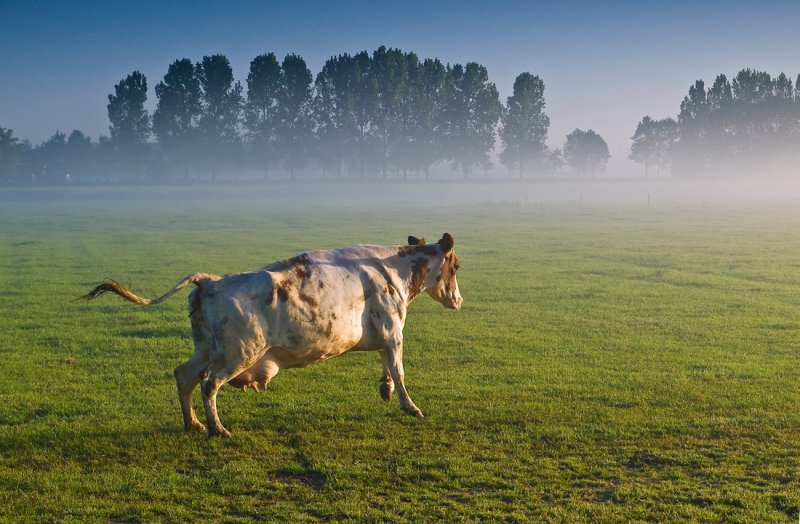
(413,241)
(446,243)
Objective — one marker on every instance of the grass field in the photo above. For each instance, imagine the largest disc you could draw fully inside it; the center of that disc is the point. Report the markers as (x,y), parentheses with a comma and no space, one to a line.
(609,364)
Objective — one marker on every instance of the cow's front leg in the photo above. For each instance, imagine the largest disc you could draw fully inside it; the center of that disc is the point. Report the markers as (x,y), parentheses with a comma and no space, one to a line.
(394,358)
(386,384)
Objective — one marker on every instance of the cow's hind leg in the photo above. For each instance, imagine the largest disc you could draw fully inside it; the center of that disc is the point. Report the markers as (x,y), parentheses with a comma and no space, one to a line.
(386,383)
(219,373)
(209,389)
(187,376)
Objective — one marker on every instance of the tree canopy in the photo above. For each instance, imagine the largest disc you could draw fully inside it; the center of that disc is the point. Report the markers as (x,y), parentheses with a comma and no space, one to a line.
(176,118)
(261,109)
(472,110)
(129,121)
(525,125)
(733,126)
(9,153)
(653,143)
(586,152)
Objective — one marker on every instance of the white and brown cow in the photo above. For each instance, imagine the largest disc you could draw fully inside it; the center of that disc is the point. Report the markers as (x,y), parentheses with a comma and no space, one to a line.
(292,313)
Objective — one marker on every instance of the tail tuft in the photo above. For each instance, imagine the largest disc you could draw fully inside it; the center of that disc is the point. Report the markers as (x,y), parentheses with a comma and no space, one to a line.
(199,279)
(108,285)
(115,287)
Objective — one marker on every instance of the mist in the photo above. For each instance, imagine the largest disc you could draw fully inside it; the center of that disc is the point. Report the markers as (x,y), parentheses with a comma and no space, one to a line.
(599,105)
(393,116)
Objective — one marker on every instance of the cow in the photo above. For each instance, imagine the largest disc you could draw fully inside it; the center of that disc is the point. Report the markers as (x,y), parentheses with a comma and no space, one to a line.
(296,312)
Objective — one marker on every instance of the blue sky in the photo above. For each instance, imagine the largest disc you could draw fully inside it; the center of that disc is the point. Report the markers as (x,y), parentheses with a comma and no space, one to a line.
(604,64)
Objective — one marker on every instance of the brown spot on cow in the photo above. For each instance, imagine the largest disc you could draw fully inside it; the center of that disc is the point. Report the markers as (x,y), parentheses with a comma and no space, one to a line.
(321,285)
(300,260)
(283,291)
(311,301)
(427,249)
(300,272)
(419,272)
(405,250)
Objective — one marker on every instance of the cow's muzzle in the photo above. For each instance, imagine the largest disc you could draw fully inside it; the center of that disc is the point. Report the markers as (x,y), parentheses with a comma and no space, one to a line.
(455,303)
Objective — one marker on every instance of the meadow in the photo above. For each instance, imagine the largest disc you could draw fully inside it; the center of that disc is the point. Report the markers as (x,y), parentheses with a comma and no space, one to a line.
(610,363)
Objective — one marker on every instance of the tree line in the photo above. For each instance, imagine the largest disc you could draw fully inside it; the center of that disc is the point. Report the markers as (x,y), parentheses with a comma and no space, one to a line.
(379,115)
(738,126)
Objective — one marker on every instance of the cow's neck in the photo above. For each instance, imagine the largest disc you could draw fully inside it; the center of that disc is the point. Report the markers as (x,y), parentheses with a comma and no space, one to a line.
(414,268)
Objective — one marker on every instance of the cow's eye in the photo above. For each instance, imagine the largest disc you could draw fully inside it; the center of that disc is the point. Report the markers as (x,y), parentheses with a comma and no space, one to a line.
(457,266)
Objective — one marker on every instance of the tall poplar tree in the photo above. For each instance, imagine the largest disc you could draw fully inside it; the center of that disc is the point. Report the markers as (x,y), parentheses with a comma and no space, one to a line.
(176,118)
(222,105)
(294,104)
(334,113)
(525,125)
(130,123)
(389,70)
(264,85)
(473,109)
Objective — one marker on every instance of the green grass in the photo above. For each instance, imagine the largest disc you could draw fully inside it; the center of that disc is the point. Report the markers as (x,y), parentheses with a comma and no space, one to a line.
(609,364)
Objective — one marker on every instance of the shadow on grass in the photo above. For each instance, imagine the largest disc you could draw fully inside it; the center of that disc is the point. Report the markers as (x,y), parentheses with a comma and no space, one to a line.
(303,471)
(153,333)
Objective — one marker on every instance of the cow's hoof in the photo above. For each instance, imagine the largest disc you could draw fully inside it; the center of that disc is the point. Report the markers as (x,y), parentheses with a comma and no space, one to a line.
(196,425)
(414,412)
(219,432)
(386,388)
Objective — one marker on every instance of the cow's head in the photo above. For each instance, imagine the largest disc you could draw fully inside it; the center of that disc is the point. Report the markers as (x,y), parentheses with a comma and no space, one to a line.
(441,283)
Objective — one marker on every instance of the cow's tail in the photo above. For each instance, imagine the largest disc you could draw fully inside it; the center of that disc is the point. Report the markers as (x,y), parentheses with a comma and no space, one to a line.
(115,287)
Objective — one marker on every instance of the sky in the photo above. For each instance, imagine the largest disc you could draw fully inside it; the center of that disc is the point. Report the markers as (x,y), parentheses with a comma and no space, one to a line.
(605,65)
